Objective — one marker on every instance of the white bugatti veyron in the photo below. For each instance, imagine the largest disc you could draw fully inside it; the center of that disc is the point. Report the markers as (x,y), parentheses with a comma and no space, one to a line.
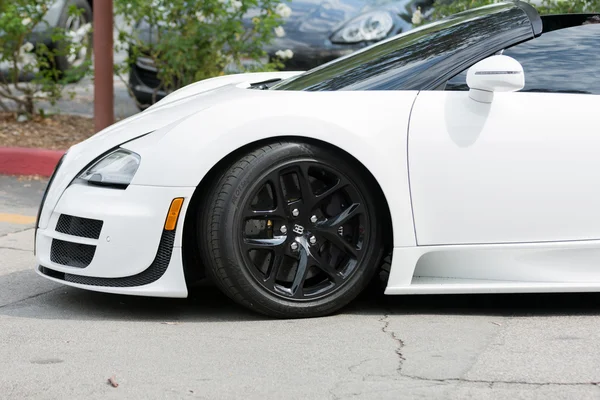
(468,149)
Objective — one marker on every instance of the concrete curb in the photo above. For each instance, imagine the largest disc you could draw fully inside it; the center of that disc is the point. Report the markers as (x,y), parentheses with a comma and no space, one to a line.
(28,161)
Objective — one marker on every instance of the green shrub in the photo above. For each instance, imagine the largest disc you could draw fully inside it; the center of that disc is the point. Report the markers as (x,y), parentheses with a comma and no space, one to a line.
(21,59)
(194,40)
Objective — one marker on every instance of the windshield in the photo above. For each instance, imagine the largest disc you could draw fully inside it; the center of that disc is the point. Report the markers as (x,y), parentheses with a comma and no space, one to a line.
(408,61)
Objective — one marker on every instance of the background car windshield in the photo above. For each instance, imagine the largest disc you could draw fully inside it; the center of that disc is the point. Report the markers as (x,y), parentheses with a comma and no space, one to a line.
(405,61)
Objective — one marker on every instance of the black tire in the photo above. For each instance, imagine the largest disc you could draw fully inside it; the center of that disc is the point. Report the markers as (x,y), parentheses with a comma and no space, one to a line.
(335,267)
(65,21)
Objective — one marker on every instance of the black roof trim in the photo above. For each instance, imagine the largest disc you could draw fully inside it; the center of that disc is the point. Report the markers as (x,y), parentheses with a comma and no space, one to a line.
(534,17)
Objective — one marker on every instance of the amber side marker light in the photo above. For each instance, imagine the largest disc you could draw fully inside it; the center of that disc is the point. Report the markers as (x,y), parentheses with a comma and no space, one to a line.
(173,214)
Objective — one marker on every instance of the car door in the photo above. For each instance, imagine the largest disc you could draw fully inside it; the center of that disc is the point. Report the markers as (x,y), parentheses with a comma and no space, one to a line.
(524,168)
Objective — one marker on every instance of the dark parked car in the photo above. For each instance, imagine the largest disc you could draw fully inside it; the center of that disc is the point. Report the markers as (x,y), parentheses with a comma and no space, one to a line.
(317,31)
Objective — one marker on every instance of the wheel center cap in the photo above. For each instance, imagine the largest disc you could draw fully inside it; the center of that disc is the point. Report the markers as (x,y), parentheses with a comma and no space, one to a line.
(298,229)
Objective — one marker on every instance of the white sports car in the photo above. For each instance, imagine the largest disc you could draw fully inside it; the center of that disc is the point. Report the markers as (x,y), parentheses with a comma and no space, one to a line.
(468,149)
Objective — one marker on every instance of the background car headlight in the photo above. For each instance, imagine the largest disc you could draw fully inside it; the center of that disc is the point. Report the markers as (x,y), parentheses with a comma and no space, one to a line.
(374,25)
(114,169)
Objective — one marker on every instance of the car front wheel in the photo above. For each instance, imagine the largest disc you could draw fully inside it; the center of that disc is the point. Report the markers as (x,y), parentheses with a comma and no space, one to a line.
(291,230)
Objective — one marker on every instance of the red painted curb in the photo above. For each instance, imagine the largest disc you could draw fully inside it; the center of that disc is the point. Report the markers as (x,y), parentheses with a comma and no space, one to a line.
(28,161)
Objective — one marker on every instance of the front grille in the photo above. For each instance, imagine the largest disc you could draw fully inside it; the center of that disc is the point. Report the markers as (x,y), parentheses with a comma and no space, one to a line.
(147,77)
(76,226)
(71,254)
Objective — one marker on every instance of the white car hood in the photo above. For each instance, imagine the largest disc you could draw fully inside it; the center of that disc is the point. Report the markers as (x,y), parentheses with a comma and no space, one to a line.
(174,107)
(167,112)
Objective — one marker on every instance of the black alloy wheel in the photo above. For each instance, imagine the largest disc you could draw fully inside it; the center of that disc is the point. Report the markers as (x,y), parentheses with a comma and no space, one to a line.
(303,230)
(291,230)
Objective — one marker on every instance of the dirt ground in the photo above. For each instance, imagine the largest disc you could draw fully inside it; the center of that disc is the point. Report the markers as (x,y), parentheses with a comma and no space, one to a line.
(57,132)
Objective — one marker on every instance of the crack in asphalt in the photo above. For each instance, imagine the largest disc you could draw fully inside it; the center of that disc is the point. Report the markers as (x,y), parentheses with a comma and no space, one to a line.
(385,320)
(12,233)
(14,248)
(491,383)
(358,364)
(399,343)
(28,298)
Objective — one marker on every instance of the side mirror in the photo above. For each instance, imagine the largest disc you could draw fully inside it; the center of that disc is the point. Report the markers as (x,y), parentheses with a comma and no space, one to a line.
(494,74)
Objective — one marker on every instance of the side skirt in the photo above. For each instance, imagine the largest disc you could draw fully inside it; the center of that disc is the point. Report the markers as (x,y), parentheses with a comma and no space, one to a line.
(572,266)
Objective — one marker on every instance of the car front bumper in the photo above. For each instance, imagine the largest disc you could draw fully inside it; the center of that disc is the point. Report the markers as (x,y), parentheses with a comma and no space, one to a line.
(113,240)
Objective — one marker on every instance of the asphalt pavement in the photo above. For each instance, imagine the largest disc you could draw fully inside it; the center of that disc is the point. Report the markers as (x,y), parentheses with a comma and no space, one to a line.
(61,342)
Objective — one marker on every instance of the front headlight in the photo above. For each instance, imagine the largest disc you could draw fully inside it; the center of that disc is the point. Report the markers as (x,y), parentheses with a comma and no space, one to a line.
(374,25)
(115,169)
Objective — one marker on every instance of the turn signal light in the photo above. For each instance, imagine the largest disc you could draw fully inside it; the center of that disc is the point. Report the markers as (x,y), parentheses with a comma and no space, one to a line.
(173,213)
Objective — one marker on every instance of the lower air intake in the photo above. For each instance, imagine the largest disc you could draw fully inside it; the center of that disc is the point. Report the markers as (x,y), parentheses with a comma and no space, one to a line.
(71,254)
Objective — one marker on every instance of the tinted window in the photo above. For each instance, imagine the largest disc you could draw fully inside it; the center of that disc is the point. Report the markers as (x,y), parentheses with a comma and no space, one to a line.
(562,61)
(411,60)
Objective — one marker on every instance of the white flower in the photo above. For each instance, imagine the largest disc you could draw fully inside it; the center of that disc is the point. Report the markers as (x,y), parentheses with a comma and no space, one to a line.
(279,31)
(26,48)
(283,10)
(25,58)
(236,5)
(417,17)
(284,54)
(158,4)
(200,16)
(26,21)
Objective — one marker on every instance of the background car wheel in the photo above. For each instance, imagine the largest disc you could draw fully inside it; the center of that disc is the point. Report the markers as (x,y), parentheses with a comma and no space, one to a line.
(291,230)
(78,27)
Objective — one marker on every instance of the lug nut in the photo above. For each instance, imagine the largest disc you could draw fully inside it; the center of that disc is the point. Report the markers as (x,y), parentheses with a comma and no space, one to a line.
(295,212)
(283,229)
(314,219)
(294,246)
(312,240)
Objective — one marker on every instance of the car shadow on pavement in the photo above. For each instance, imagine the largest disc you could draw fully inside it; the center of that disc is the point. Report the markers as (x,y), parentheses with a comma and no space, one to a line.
(373,301)
(207,304)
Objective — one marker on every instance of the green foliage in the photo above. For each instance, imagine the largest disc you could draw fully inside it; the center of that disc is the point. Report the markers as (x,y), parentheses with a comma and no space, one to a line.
(31,74)
(444,8)
(190,40)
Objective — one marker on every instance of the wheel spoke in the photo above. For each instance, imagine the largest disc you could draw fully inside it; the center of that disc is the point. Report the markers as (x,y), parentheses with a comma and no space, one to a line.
(339,185)
(328,269)
(307,194)
(332,224)
(323,265)
(274,270)
(341,243)
(274,244)
(281,202)
(249,213)
(301,271)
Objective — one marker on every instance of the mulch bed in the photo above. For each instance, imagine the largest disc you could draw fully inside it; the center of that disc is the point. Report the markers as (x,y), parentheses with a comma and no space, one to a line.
(55,132)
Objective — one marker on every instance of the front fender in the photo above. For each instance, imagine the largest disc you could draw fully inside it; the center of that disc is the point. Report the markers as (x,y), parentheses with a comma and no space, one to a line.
(376,137)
